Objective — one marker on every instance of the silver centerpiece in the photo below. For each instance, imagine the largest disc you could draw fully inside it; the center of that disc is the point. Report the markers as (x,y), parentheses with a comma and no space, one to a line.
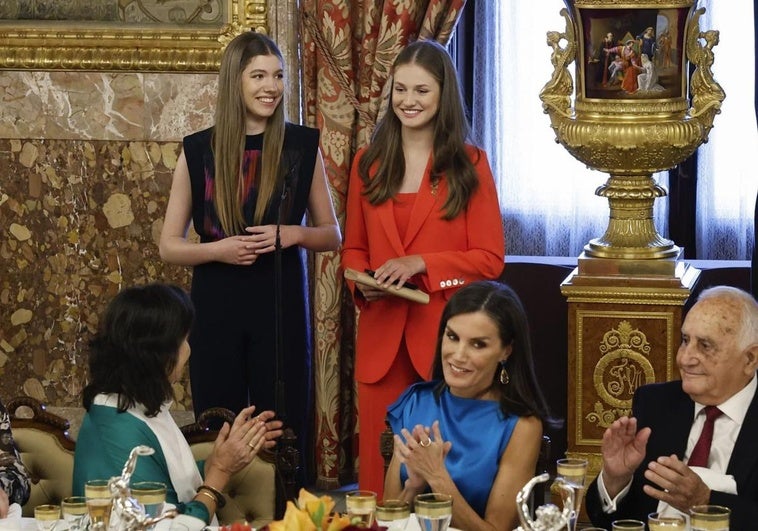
(128,514)
(548,517)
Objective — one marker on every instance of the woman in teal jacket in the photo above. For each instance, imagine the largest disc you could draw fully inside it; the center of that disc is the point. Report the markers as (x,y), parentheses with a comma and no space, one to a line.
(139,351)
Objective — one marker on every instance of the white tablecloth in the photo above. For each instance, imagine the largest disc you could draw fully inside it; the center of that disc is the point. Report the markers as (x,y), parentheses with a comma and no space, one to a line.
(413,525)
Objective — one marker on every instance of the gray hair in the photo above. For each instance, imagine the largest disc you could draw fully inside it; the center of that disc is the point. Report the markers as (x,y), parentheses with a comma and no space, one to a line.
(748,308)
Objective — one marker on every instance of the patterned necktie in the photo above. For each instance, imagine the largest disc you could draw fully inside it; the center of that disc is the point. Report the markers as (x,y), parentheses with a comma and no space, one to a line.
(702,448)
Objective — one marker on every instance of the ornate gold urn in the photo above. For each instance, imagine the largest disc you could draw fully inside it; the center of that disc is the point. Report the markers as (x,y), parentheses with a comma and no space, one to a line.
(631,115)
(638,108)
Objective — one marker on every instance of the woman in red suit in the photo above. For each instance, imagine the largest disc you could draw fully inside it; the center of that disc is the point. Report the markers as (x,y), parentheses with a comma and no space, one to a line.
(422,208)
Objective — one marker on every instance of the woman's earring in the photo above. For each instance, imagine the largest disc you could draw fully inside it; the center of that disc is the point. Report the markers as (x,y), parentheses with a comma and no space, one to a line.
(504,376)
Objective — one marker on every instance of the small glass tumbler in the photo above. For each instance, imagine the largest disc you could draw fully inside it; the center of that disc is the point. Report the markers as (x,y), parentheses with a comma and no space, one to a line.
(151,495)
(628,525)
(47,516)
(99,503)
(361,507)
(433,511)
(671,522)
(393,514)
(74,509)
(709,518)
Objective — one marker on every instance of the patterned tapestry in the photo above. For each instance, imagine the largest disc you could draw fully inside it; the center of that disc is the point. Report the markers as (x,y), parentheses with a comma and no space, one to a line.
(348,49)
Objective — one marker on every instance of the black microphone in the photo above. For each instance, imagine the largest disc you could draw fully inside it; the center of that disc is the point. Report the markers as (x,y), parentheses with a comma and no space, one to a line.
(287,183)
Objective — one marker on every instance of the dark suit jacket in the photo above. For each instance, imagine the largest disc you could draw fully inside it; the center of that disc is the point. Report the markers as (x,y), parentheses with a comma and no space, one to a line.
(669,411)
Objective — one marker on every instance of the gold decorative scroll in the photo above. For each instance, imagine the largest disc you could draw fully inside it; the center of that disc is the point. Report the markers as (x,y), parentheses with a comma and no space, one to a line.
(108,46)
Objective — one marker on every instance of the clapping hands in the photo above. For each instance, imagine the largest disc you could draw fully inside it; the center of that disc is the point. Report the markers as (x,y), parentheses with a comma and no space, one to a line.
(423,450)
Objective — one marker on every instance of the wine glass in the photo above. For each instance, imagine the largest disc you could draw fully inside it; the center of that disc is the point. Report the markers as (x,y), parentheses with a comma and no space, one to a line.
(99,503)
(573,472)
(47,516)
(433,511)
(709,518)
(361,507)
(74,509)
(670,522)
(393,514)
(628,525)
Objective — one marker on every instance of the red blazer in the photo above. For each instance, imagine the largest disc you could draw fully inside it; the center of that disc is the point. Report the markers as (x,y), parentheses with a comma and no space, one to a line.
(456,252)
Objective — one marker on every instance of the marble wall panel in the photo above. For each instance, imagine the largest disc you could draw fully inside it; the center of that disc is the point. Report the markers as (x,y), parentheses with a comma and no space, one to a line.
(178,104)
(80,220)
(85,167)
(105,105)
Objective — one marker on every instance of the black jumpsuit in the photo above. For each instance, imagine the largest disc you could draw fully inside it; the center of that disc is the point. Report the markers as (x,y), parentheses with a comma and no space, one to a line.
(233,341)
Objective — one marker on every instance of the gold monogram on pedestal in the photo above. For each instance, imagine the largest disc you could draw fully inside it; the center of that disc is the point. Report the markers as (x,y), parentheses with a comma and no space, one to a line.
(631,116)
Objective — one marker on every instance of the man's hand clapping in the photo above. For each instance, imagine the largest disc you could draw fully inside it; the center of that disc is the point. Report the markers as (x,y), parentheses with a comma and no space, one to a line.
(680,486)
(623,450)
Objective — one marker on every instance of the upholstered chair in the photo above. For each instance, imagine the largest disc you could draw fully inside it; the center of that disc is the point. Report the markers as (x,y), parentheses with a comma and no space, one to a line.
(46,450)
(255,494)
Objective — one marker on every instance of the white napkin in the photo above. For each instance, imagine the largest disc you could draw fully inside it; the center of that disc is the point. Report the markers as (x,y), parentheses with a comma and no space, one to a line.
(14,511)
(13,521)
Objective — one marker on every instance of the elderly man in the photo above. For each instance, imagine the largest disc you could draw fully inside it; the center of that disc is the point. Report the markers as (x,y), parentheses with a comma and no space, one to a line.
(14,479)
(693,441)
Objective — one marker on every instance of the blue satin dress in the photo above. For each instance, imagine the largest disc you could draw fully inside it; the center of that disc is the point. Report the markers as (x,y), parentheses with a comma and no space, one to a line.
(478,430)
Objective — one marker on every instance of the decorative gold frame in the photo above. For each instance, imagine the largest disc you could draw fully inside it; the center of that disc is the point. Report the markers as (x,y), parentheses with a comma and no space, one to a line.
(63,46)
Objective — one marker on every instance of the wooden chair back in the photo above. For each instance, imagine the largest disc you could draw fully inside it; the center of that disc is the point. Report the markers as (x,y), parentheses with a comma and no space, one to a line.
(46,450)
(256,494)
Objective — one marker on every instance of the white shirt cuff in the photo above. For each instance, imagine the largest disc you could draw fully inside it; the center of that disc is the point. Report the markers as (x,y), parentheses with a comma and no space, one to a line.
(609,505)
(715,481)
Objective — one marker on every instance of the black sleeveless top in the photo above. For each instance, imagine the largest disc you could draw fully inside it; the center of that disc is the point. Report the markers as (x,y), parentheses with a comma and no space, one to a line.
(296,173)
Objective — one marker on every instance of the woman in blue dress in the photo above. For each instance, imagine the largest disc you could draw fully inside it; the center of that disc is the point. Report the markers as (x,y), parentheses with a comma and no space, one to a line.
(474,431)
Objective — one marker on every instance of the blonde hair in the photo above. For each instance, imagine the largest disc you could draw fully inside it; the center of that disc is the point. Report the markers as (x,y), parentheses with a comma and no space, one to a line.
(228,141)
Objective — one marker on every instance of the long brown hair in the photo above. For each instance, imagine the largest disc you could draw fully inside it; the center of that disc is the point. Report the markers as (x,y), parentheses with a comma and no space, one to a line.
(228,142)
(451,130)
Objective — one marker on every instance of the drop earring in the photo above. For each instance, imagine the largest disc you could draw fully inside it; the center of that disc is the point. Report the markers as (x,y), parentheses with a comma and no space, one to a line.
(504,376)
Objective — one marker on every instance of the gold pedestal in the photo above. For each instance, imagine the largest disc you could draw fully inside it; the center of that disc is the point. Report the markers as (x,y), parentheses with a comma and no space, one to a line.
(624,331)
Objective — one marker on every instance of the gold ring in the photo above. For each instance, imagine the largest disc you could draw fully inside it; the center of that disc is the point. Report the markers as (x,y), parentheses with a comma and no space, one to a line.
(426,443)
(251,445)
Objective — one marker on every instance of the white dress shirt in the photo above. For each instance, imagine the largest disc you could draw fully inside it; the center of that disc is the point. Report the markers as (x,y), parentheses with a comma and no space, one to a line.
(726,429)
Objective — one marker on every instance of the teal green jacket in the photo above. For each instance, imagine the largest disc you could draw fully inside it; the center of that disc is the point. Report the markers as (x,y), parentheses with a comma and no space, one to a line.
(105,440)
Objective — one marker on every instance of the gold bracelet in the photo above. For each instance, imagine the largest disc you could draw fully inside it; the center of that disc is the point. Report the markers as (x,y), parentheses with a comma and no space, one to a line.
(219,497)
(209,496)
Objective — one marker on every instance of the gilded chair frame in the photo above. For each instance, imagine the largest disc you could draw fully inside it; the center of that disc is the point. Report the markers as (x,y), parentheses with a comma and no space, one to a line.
(63,45)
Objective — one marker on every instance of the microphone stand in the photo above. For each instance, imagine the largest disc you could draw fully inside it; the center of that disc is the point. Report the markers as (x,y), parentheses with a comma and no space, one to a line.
(279,396)
(287,455)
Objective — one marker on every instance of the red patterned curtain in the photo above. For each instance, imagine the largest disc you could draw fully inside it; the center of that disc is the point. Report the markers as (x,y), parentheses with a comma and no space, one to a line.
(348,49)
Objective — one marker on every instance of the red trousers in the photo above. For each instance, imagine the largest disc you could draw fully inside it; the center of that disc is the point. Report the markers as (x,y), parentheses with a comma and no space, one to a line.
(373,400)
